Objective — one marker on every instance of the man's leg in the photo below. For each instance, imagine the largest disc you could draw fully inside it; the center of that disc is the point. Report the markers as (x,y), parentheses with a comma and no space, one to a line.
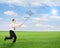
(14,39)
(14,36)
(6,38)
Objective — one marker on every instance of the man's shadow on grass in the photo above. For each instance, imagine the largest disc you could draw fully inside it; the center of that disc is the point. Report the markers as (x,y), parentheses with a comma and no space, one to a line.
(7,45)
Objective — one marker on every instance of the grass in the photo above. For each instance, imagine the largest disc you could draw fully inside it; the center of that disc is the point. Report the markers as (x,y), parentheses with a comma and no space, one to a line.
(32,40)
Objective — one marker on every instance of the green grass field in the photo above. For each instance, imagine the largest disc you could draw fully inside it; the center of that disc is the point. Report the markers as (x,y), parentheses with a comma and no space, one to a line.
(32,40)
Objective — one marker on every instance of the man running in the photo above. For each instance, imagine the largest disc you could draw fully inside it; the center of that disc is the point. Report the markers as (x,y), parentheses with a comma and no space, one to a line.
(11,31)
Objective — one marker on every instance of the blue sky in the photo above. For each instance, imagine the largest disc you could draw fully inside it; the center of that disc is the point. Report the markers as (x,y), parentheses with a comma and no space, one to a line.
(45,17)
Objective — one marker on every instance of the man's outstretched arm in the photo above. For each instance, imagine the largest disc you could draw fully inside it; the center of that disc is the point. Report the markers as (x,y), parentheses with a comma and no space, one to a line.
(19,25)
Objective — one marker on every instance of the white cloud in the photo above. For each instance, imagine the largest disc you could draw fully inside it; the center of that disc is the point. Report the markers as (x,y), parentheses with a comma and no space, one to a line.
(10,13)
(45,18)
(51,2)
(38,25)
(15,2)
(35,4)
(40,18)
(36,18)
(49,26)
(32,2)
(44,25)
(55,17)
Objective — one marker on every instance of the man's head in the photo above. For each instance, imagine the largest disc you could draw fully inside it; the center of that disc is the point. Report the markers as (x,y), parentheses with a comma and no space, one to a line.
(13,20)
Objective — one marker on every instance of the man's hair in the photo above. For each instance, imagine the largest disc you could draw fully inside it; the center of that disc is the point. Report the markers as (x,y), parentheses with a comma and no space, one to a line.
(13,19)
